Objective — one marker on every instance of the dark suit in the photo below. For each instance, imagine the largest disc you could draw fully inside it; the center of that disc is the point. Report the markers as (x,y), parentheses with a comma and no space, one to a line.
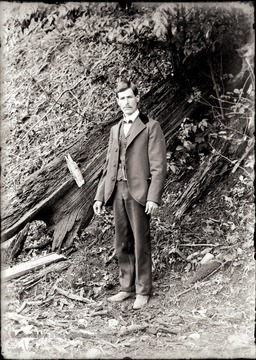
(145,170)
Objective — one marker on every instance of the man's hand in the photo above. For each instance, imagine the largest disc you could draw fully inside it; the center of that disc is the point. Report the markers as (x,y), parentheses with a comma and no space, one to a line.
(97,207)
(151,207)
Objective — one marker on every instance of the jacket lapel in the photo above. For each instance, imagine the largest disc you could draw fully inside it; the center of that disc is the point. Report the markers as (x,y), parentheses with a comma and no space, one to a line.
(137,127)
(116,131)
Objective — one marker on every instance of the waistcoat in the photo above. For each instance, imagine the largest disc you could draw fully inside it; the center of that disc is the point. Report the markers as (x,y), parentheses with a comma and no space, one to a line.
(121,174)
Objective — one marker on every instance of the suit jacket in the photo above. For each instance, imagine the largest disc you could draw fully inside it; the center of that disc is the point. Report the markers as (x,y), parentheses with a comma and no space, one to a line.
(145,162)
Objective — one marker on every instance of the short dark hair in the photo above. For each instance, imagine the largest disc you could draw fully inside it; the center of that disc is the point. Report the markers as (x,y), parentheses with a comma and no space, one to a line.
(124,85)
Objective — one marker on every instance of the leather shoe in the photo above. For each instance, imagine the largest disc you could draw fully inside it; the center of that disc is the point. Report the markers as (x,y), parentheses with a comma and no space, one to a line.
(140,301)
(121,296)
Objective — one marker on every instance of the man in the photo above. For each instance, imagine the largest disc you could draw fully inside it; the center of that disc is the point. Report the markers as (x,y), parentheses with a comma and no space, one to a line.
(132,182)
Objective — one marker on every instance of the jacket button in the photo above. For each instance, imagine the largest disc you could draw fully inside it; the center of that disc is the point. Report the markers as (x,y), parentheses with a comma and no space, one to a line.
(113,179)
(114,165)
(116,150)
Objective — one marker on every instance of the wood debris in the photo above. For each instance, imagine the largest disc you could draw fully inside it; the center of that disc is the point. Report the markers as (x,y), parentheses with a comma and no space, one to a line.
(132,328)
(74,296)
(21,269)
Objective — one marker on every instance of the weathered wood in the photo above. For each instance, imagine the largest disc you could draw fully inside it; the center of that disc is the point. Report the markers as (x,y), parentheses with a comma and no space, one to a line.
(51,194)
(205,271)
(74,296)
(31,280)
(211,171)
(19,242)
(132,328)
(199,183)
(24,268)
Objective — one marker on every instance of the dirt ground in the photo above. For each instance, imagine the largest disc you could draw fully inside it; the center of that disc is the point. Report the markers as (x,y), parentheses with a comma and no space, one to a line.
(210,318)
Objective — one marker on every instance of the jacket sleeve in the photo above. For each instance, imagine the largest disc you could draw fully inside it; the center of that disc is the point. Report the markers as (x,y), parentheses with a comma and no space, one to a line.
(101,186)
(157,162)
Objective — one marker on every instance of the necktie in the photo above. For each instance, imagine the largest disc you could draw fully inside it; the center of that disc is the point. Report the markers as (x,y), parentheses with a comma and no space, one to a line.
(126,128)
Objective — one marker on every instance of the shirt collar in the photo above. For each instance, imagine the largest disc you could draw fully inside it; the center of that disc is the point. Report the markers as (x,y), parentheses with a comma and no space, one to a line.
(131,117)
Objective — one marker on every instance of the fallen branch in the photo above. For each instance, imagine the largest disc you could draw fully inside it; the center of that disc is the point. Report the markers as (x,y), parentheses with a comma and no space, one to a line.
(74,296)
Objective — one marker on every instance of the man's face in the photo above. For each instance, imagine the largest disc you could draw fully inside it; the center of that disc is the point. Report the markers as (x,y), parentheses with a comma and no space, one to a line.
(128,101)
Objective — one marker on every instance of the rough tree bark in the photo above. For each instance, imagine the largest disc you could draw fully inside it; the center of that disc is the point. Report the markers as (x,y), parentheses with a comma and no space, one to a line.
(52,195)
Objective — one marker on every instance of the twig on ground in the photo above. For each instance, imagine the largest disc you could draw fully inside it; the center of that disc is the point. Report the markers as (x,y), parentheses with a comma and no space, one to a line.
(166,331)
(210,245)
(110,344)
(181,254)
(22,307)
(100,313)
(74,296)
(132,328)
(32,283)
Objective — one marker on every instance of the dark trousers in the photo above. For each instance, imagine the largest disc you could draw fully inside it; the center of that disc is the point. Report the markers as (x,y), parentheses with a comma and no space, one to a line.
(132,242)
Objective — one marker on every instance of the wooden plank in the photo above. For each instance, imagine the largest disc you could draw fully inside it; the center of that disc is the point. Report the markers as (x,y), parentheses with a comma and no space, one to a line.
(21,269)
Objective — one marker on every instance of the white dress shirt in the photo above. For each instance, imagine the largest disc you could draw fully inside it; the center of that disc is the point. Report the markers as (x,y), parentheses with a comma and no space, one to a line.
(132,118)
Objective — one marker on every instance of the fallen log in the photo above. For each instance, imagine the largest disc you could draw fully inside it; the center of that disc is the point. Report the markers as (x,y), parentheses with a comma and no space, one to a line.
(51,194)
(23,268)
